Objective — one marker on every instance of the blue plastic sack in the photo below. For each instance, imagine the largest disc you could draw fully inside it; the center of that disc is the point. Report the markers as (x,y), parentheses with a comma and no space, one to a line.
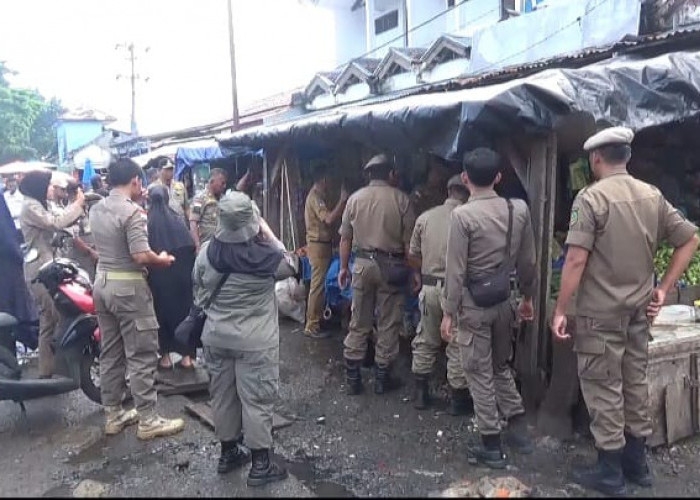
(334,295)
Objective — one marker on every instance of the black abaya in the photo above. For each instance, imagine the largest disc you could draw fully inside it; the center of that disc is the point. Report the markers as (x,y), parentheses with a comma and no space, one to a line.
(171,287)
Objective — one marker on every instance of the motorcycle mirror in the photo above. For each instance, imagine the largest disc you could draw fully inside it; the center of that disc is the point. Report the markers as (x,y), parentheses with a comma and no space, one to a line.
(58,237)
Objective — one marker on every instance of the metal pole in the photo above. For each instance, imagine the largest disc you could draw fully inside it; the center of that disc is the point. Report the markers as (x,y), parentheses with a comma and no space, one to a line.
(134,130)
(232,48)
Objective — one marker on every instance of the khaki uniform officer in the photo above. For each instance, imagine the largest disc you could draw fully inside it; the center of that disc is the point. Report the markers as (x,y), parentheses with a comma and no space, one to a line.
(427,254)
(125,306)
(176,190)
(377,222)
(616,226)
(319,238)
(476,248)
(205,208)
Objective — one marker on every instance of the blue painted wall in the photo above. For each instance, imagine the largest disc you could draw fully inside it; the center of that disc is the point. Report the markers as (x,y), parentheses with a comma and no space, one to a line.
(72,135)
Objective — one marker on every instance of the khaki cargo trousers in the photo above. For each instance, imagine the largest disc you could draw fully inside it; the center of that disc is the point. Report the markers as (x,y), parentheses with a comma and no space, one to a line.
(370,291)
(612,368)
(428,343)
(320,259)
(243,386)
(129,332)
(485,340)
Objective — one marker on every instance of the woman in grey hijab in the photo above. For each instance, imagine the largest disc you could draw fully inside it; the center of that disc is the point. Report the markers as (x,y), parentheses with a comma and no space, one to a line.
(241,333)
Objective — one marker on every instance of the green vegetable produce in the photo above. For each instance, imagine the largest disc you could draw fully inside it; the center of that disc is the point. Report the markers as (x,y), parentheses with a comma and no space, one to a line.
(662,259)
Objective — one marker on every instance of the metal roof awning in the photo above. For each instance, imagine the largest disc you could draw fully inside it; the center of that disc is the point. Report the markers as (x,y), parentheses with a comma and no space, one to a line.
(627,90)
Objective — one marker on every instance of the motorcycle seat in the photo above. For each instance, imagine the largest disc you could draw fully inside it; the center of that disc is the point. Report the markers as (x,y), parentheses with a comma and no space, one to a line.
(7,320)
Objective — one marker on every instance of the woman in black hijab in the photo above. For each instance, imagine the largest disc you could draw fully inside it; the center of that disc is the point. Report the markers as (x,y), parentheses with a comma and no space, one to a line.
(38,225)
(172,286)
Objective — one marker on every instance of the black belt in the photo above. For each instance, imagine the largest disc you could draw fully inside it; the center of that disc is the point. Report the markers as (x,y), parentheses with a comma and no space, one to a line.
(320,242)
(430,280)
(371,254)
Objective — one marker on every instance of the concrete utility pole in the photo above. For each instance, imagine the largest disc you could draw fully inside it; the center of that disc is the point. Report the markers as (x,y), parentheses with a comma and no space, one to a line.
(133,76)
(232,48)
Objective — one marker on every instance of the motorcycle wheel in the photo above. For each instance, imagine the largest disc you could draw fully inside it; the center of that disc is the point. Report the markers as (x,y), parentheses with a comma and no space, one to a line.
(9,368)
(90,376)
(87,377)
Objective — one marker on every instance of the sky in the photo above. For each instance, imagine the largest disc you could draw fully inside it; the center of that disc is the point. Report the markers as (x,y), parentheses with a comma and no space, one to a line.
(66,49)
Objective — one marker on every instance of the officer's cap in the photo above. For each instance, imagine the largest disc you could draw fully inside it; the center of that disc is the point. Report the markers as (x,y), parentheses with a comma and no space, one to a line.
(378,160)
(481,158)
(456,180)
(168,164)
(612,135)
(238,218)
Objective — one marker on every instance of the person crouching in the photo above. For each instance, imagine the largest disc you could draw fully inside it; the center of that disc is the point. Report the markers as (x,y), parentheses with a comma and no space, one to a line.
(241,333)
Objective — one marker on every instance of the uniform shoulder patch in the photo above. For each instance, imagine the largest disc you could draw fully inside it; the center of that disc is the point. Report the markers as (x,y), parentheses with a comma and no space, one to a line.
(574,217)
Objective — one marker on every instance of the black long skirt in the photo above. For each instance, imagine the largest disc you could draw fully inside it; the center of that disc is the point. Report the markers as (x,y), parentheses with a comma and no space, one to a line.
(172,299)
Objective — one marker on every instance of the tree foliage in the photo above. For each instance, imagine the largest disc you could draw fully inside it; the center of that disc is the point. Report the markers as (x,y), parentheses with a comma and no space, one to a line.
(26,122)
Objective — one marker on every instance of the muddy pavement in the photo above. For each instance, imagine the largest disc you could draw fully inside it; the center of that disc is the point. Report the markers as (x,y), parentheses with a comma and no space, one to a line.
(337,446)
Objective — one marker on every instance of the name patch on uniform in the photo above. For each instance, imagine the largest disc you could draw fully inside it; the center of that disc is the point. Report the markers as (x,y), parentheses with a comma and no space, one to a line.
(574,217)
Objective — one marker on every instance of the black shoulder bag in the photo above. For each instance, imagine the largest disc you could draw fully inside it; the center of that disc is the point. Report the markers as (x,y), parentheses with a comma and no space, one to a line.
(494,289)
(189,331)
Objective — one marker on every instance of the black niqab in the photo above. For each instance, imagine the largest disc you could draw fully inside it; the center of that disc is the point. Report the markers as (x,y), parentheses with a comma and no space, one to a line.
(166,229)
(35,185)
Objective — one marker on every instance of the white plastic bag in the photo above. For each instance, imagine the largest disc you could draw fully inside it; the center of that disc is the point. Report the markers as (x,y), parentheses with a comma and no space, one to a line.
(291,299)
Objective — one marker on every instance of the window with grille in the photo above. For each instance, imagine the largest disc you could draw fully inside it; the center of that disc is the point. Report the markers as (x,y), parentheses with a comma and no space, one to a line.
(386,22)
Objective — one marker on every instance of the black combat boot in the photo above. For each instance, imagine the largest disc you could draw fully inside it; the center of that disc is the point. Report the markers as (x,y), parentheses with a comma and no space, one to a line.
(605,476)
(353,377)
(634,461)
(461,402)
(490,453)
(265,470)
(517,435)
(383,381)
(232,456)
(422,397)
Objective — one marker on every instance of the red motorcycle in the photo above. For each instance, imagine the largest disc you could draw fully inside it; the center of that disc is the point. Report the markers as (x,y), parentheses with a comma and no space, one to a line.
(76,342)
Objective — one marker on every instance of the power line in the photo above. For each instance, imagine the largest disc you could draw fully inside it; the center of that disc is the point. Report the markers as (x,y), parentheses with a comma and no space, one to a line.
(548,37)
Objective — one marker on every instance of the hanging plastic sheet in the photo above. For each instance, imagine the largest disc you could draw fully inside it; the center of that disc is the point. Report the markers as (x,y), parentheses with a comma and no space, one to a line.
(625,90)
(186,157)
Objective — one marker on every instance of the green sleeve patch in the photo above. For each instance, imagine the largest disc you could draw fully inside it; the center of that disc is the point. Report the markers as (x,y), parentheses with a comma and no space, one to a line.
(574,217)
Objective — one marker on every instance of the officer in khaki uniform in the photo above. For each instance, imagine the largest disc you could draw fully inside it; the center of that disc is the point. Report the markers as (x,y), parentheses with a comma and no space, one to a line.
(125,306)
(176,190)
(615,228)
(205,208)
(319,238)
(377,222)
(427,255)
(476,247)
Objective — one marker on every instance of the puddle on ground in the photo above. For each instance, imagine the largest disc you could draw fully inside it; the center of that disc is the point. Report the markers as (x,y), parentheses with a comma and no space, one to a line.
(305,472)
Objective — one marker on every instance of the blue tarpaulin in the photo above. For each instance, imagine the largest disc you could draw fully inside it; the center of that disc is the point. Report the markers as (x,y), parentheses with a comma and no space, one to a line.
(186,157)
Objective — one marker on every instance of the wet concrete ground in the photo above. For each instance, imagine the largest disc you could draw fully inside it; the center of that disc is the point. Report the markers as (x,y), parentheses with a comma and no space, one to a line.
(338,445)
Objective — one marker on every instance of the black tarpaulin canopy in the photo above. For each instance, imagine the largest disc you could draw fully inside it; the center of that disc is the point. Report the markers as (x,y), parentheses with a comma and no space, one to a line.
(627,90)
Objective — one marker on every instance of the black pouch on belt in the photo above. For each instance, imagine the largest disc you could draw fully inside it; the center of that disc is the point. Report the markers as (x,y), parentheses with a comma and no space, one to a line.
(394,271)
(494,289)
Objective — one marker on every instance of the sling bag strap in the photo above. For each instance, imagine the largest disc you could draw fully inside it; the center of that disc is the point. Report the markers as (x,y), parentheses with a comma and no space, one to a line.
(509,234)
(216,291)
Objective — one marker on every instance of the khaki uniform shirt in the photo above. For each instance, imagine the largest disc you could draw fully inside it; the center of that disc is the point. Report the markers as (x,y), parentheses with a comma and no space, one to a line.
(177,194)
(38,226)
(424,198)
(120,230)
(476,245)
(621,221)
(205,211)
(315,213)
(378,217)
(429,240)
